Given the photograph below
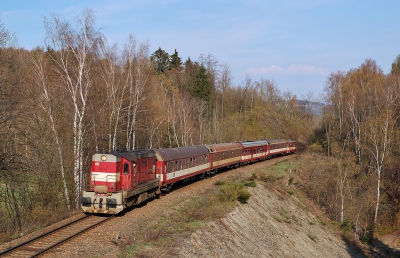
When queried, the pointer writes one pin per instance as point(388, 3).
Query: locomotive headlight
point(103, 157)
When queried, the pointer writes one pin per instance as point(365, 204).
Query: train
point(122, 179)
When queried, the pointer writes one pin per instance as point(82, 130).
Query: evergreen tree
point(176, 61)
point(396, 65)
point(162, 60)
point(202, 86)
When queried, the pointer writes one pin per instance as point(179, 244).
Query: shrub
point(243, 196)
point(345, 226)
point(230, 192)
point(234, 191)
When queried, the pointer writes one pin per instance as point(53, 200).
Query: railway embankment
point(276, 221)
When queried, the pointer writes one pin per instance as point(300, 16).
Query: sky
point(296, 44)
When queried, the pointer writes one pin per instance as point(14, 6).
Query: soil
point(270, 224)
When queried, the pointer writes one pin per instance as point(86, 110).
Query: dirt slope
point(268, 226)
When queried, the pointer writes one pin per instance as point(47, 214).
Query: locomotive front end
point(103, 193)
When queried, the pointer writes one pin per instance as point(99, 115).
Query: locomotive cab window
point(126, 168)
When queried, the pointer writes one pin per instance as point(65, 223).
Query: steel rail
point(41, 250)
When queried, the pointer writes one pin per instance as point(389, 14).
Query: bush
point(345, 226)
point(230, 192)
point(244, 196)
point(234, 191)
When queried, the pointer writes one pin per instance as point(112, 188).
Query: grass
point(250, 183)
point(282, 168)
point(282, 177)
point(284, 215)
point(220, 182)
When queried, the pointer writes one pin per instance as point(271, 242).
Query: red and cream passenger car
point(292, 147)
point(224, 155)
point(254, 151)
point(181, 163)
point(277, 147)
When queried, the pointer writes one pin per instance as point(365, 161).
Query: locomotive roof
point(134, 155)
point(254, 143)
point(181, 152)
point(224, 147)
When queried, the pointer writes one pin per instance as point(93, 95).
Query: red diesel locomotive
point(121, 179)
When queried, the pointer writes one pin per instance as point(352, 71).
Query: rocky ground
point(271, 224)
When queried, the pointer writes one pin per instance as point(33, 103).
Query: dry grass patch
point(189, 214)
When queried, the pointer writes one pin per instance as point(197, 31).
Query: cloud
point(294, 69)
point(273, 69)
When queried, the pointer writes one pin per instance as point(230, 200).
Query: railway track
point(43, 243)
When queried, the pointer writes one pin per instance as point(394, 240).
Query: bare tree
point(46, 104)
point(76, 49)
point(137, 74)
point(115, 88)
point(379, 132)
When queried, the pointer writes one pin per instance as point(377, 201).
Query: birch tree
point(115, 91)
point(46, 104)
point(137, 73)
point(380, 134)
point(76, 46)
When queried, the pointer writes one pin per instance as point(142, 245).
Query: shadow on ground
point(376, 250)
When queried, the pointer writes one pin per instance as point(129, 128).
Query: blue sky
point(297, 44)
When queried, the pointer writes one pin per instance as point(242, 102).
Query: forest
point(78, 95)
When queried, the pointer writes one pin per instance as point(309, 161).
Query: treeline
point(79, 95)
point(360, 131)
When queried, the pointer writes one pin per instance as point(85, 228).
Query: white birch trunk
point(73, 48)
point(46, 106)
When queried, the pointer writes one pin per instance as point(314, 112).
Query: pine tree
point(202, 86)
point(162, 60)
point(176, 61)
point(396, 65)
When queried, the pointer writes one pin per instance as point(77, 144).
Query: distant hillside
point(316, 107)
